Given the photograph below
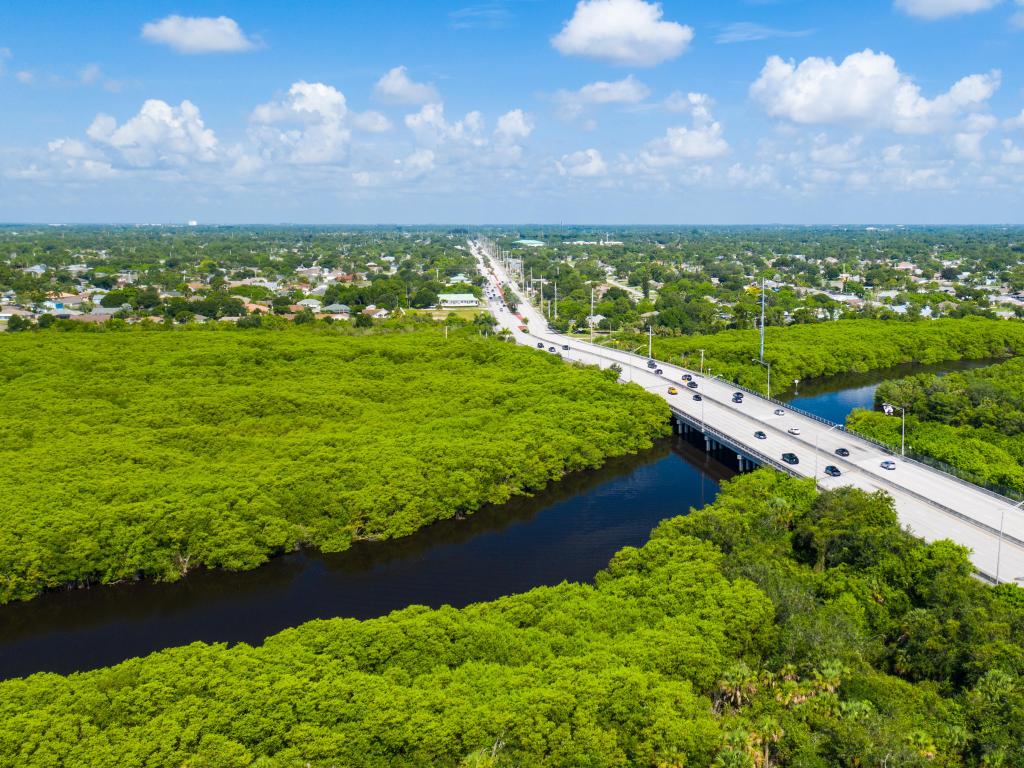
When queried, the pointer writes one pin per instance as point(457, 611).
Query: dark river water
point(566, 533)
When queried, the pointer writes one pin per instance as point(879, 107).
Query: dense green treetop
point(776, 627)
point(149, 453)
point(972, 420)
point(828, 349)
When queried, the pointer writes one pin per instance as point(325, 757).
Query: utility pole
point(762, 318)
point(591, 314)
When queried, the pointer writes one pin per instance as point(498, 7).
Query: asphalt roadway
point(931, 504)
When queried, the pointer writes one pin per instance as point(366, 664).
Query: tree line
point(776, 627)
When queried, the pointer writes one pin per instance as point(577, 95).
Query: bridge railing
point(996, 491)
point(733, 444)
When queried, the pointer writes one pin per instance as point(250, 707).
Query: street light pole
point(999, 546)
point(702, 361)
point(650, 343)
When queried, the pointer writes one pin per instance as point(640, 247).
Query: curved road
point(931, 504)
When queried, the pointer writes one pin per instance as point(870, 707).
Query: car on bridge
point(565, 346)
point(832, 471)
point(889, 464)
point(651, 364)
point(794, 430)
point(737, 399)
point(760, 435)
point(673, 391)
point(658, 371)
point(779, 412)
point(697, 398)
point(790, 458)
point(842, 451)
point(687, 377)
point(540, 345)
point(691, 384)
point(552, 349)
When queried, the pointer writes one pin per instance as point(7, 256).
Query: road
point(931, 504)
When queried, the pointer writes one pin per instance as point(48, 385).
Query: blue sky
point(602, 111)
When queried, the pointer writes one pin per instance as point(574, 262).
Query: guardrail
point(734, 444)
point(948, 471)
point(998, 492)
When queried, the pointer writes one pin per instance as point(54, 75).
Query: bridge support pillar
point(707, 443)
point(742, 462)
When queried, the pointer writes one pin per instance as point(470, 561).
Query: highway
point(931, 504)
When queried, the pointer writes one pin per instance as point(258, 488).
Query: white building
point(454, 300)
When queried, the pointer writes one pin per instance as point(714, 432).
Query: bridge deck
point(932, 504)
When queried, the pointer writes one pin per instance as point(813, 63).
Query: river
point(565, 533)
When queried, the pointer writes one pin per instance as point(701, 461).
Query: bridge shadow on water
point(566, 532)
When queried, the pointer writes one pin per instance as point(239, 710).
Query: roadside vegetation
point(972, 420)
point(776, 627)
point(830, 349)
point(149, 453)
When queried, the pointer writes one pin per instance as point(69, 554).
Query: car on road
point(651, 364)
point(737, 394)
point(842, 451)
point(691, 384)
point(540, 345)
point(673, 391)
point(565, 346)
point(737, 400)
point(779, 412)
point(687, 377)
point(552, 349)
point(790, 458)
point(832, 471)
point(888, 464)
point(658, 371)
point(760, 435)
point(794, 430)
point(697, 398)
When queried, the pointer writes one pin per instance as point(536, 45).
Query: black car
point(790, 458)
point(737, 395)
point(760, 435)
point(658, 371)
point(842, 452)
point(698, 398)
point(540, 345)
point(691, 384)
point(565, 346)
point(651, 364)
point(687, 377)
point(551, 349)
point(832, 471)
point(737, 399)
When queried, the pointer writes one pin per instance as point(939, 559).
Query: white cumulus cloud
point(514, 125)
point(396, 87)
point(430, 127)
point(159, 135)
point(314, 119)
point(701, 140)
point(571, 104)
point(865, 87)
point(939, 9)
point(198, 34)
point(587, 163)
point(630, 32)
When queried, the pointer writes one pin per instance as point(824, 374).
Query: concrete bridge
point(932, 504)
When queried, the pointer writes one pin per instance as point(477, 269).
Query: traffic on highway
point(932, 504)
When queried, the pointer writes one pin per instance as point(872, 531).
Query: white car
point(887, 464)
point(794, 430)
